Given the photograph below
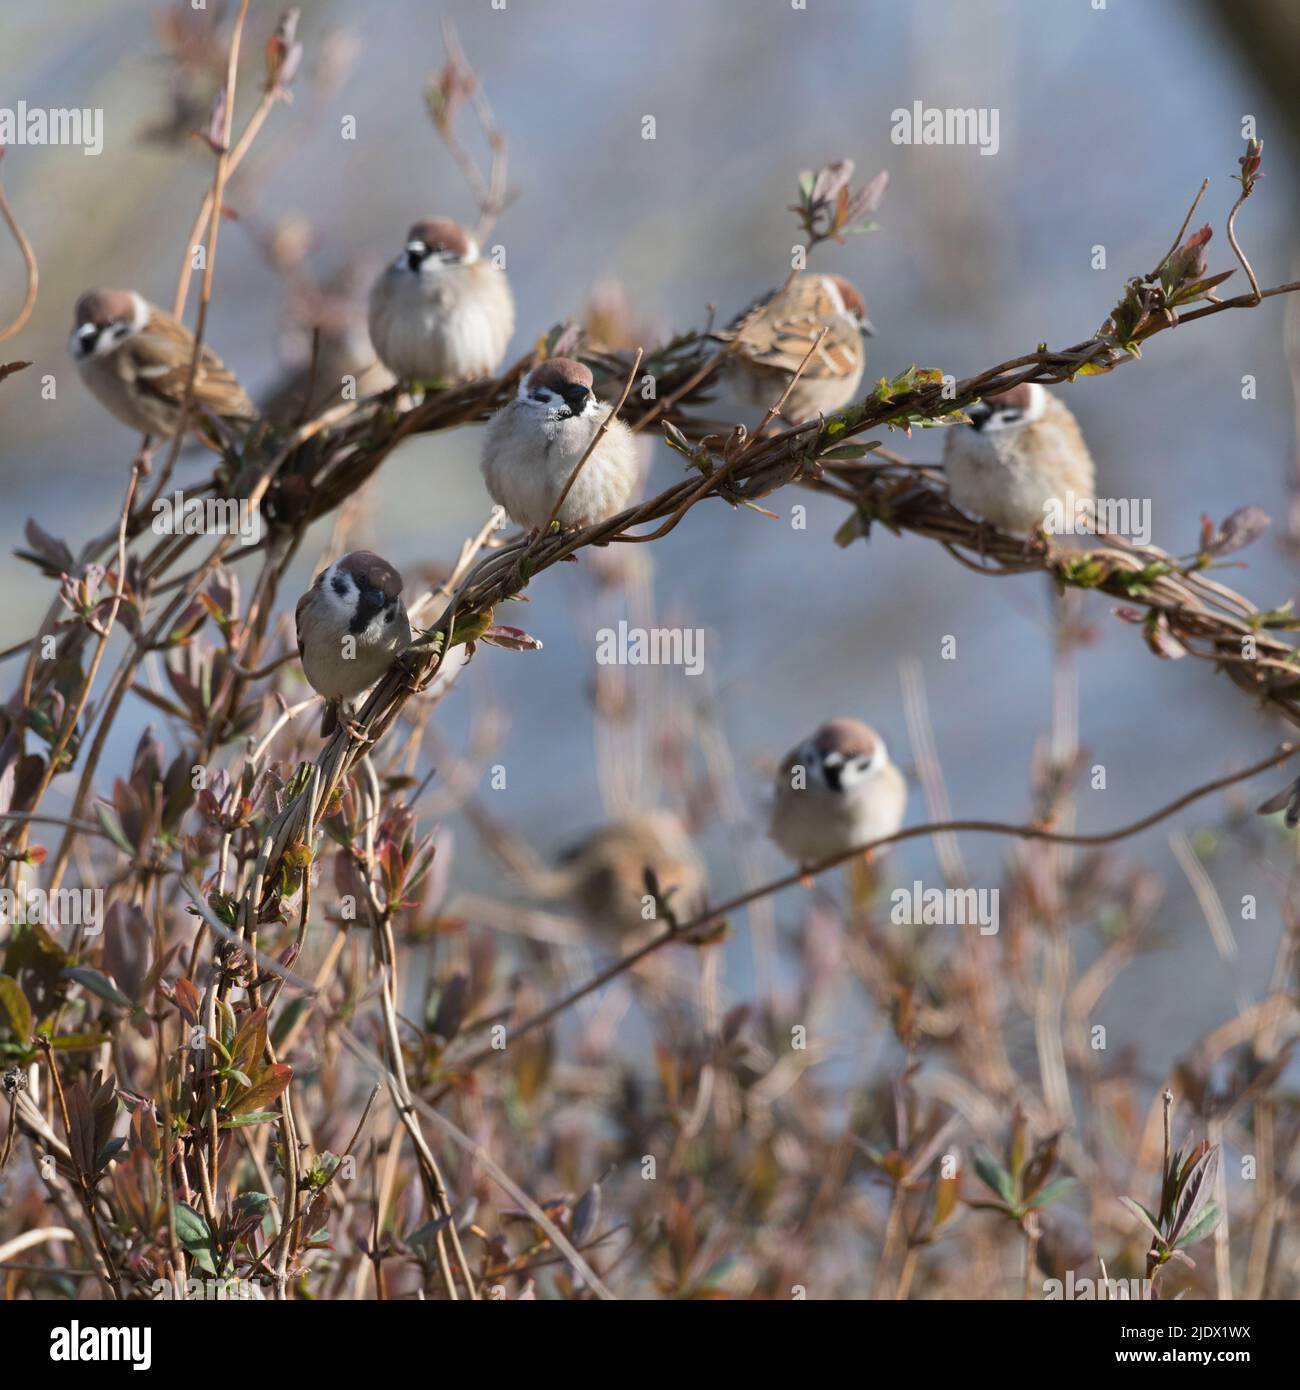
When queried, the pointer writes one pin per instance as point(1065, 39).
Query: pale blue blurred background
point(1109, 119)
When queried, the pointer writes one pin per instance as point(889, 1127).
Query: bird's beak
point(85, 338)
point(576, 398)
point(979, 414)
point(866, 328)
point(416, 251)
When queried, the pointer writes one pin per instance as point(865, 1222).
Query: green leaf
point(14, 1007)
point(257, 1117)
point(1046, 1195)
point(253, 1203)
point(97, 983)
point(1209, 1218)
point(1143, 1215)
point(109, 1152)
point(78, 1042)
point(226, 1020)
point(850, 530)
point(194, 1236)
point(112, 824)
point(993, 1175)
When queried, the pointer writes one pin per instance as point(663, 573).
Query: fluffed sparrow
point(835, 791)
point(534, 443)
point(136, 361)
point(440, 312)
point(1021, 451)
point(772, 337)
point(604, 876)
point(352, 625)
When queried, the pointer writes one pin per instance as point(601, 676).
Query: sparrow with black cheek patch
point(772, 337)
point(535, 442)
point(440, 312)
point(1022, 452)
point(136, 361)
point(352, 626)
point(835, 791)
point(604, 876)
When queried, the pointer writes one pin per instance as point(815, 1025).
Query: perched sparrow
point(136, 360)
point(352, 625)
point(835, 791)
point(439, 313)
point(534, 443)
point(1021, 451)
point(604, 877)
point(772, 337)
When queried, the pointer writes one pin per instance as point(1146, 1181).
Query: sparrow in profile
point(535, 442)
point(352, 626)
point(136, 361)
point(604, 876)
point(1022, 452)
point(835, 791)
point(439, 312)
point(772, 337)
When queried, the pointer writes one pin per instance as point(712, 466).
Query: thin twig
point(29, 261)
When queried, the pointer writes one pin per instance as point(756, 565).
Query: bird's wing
point(160, 356)
point(297, 617)
point(778, 332)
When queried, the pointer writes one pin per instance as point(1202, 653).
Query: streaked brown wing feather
point(778, 331)
point(161, 357)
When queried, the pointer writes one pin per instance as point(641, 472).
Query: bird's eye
point(538, 396)
point(1009, 417)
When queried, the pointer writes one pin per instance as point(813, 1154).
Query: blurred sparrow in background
point(323, 342)
point(772, 337)
point(835, 791)
point(533, 445)
point(604, 876)
point(439, 312)
point(1022, 451)
point(352, 625)
point(136, 361)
